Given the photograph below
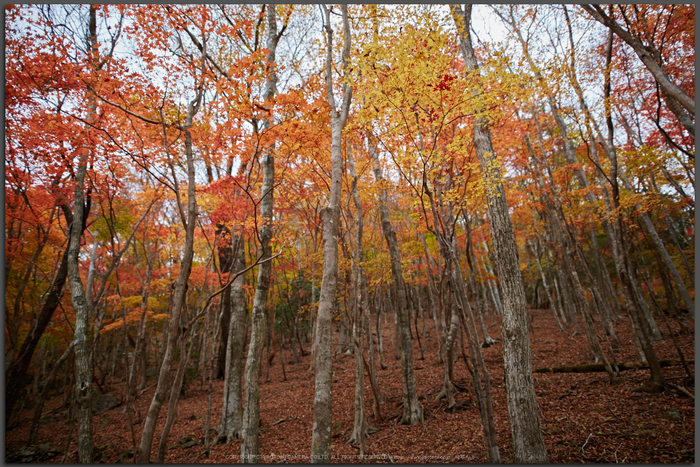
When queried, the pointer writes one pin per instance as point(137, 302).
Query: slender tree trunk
point(232, 408)
point(34, 429)
point(379, 299)
point(250, 450)
point(372, 370)
point(17, 370)
point(179, 290)
point(544, 282)
point(330, 216)
point(175, 392)
point(448, 388)
point(431, 296)
point(359, 301)
point(83, 373)
point(663, 252)
point(223, 336)
point(528, 441)
point(412, 410)
point(140, 349)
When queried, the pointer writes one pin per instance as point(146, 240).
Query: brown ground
point(584, 418)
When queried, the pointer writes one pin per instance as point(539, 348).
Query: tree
point(180, 287)
point(250, 451)
point(528, 442)
point(330, 217)
point(651, 57)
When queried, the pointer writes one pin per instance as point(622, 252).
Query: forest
point(349, 233)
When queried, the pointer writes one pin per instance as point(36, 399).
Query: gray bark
point(552, 304)
point(232, 407)
point(663, 252)
point(250, 450)
point(647, 54)
point(359, 303)
point(179, 289)
point(175, 392)
point(323, 398)
point(83, 375)
point(412, 410)
point(528, 441)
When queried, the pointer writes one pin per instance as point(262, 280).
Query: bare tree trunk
point(528, 441)
point(663, 252)
point(431, 296)
point(34, 429)
point(379, 299)
point(493, 288)
point(250, 450)
point(552, 304)
point(412, 410)
point(17, 369)
point(330, 216)
point(232, 409)
point(448, 387)
point(179, 288)
point(175, 391)
point(359, 305)
point(83, 373)
point(473, 283)
point(140, 349)
point(372, 367)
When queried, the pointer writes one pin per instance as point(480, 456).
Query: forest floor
point(584, 418)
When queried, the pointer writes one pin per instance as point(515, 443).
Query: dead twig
point(584, 444)
point(270, 395)
point(616, 454)
point(681, 389)
point(144, 390)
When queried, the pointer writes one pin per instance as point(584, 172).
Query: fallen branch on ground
point(599, 367)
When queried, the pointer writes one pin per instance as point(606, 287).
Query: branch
point(119, 255)
point(646, 54)
point(230, 281)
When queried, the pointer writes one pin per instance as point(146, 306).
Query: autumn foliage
point(631, 159)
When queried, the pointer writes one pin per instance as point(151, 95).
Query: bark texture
point(323, 398)
point(412, 410)
point(528, 441)
point(250, 450)
point(232, 409)
point(179, 292)
point(83, 374)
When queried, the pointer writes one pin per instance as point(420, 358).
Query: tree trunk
point(223, 336)
point(528, 441)
point(544, 283)
point(175, 391)
point(330, 216)
point(34, 429)
point(83, 373)
point(179, 290)
point(250, 450)
point(17, 371)
point(412, 410)
point(232, 408)
point(359, 302)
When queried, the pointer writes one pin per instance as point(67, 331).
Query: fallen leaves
point(584, 418)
